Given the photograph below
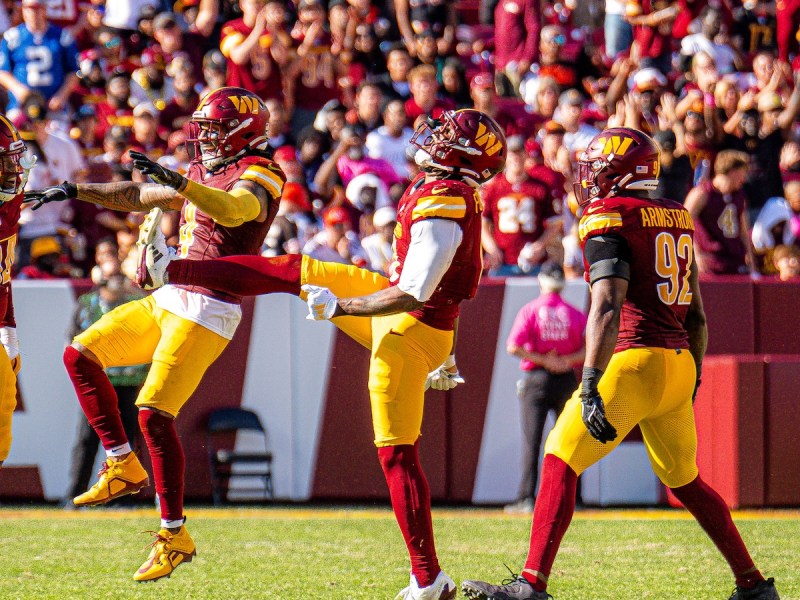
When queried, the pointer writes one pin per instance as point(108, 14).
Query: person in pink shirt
point(548, 336)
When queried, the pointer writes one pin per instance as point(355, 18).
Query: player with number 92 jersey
point(649, 232)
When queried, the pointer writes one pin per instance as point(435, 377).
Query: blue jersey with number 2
point(40, 61)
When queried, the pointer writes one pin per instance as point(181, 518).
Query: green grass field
point(298, 554)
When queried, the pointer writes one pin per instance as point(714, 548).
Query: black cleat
point(517, 588)
point(763, 590)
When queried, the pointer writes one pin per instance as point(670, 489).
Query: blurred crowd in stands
point(346, 81)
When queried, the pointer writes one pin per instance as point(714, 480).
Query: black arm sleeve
point(608, 255)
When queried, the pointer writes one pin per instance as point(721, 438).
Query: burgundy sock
point(411, 501)
point(552, 515)
point(166, 454)
point(240, 275)
point(710, 510)
point(97, 398)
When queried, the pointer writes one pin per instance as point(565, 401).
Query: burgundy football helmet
point(619, 158)
point(466, 143)
point(228, 122)
point(13, 166)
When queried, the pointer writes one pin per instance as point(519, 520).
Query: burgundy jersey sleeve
point(659, 235)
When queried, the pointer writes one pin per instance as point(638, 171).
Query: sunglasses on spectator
point(559, 39)
point(112, 43)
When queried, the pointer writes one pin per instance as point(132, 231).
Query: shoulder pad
point(265, 173)
point(599, 218)
point(442, 199)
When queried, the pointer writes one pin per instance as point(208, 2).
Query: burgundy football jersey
point(9, 226)
point(518, 213)
point(659, 235)
point(203, 239)
point(718, 236)
point(445, 199)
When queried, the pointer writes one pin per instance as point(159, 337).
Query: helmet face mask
point(228, 123)
point(465, 143)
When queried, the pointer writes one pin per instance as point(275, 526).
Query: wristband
point(590, 379)
point(449, 362)
point(70, 188)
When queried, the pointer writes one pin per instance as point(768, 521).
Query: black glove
point(593, 411)
point(57, 193)
point(156, 172)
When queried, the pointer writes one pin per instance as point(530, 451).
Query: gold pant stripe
point(8, 402)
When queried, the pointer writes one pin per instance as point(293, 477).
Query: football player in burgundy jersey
point(14, 169)
point(227, 201)
point(645, 341)
point(411, 315)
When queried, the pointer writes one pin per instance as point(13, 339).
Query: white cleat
point(154, 254)
point(443, 588)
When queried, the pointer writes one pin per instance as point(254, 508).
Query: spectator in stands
point(171, 42)
point(778, 223)
point(454, 83)
point(378, 246)
point(511, 117)
point(145, 136)
point(48, 261)
point(292, 227)
point(395, 82)
point(724, 55)
point(214, 71)
point(551, 62)
point(754, 28)
point(677, 174)
point(424, 94)
point(200, 16)
point(618, 32)
point(150, 82)
point(116, 109)
point(719, 211)
point(390, 140)
point(518, 216)
point(180, 107)
point(336, 242)
point(84, 132)
point(437, 16)
point(110, 291)
point(787, 262)
point(548, 336)
point(124, 14)
point(577, 134)
point(761, 134)
point(652, 31)
point(36, 56)
point(516, 26)
point(541, 95)
point(256, 55)
point(368, 105)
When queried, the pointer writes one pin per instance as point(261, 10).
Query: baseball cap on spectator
point(33, 3)
point(648, 79)
point(551, 276)
point(44, 245)
point(515, 143)
point(482, 81)
point(384, 216)
point(295, 193)
point(571, 97)
point(336, 215)
point(333, 3)
point(768, 101)
point(164, 20)
point(145, 108)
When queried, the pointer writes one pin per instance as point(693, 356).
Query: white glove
point(321, 302)
point(442, 378)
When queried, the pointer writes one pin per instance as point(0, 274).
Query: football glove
point(57, 193)
point(321, 302)
point(444, 378)
point(593, 411)
point(157, 173)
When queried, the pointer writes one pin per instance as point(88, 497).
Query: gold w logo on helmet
point(245, 104)
point(616, 144)
point(488, 141)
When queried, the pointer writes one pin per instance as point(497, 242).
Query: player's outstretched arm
point(123, 195)
point(323, 304)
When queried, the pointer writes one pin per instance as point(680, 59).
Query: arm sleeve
point(433, 245)
point(229, 209)
point(608, 255)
